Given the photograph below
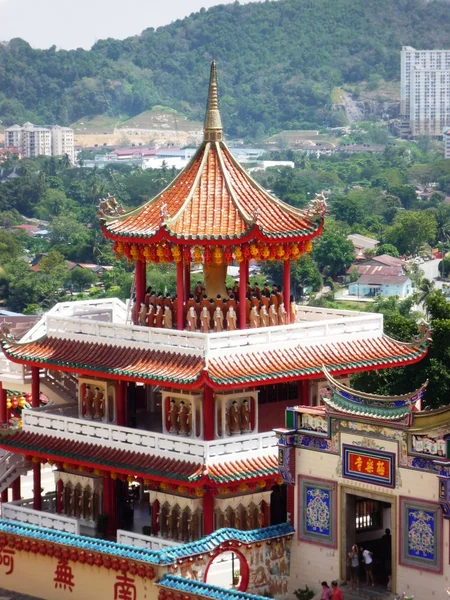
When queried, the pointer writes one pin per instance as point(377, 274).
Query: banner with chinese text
point(369, 466)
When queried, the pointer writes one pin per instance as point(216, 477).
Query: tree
point(406, 194)
point(411, 230)
point(333, 253)
point(387, 249)
point(437, 305)
point(80, 278)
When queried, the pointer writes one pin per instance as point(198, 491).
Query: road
point(430, 270)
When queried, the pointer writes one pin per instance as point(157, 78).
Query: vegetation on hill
point(279, 63)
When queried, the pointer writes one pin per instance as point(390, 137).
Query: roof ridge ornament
point(213, 131)
point(317, 208)
point(109, 207)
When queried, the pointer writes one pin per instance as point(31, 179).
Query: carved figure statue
point(151, 316)
point(183, 418)
point(204, 320)
point(159, 317)
point(226, 520)
point(293, 312)
point(264, 317)
point(254, 318)
point(235, 426)
point(248, 519)
point(173, 416)
point(143, 315)
point(237, 520)
point(260, 518)
point(282, 314)
point(227, 421)
point(218, 320)
point(245, 416)
point(191, 324)
point(88, 402)
point(98, 404)
point(273, 316)
point(231, 319)
point(167, 319)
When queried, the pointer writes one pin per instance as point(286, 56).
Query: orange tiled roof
point(139, 464)
point(213, 198)
point(227, 370)
point(304, 361)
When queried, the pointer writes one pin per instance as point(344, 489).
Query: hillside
point(278, 63)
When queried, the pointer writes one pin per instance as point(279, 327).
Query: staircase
point(59, 386)
point(367, 593)
point(11, 466)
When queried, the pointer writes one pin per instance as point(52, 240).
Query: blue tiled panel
point(188, 586)
point(156, 557)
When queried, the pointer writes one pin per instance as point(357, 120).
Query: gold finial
point(213, 123)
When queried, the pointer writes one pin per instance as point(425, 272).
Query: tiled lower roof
point(204, 590)
point(225, 370)
point(362, 354)
point(165, 556)
point(139, 464)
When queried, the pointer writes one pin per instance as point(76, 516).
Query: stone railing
point(45, 421)
point(11, 465)
point(307, 331)
point(11, 372)
point(129, 538)
point(15, 512)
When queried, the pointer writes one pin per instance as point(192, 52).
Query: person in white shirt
point(368, 562)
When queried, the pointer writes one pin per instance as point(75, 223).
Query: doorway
point(369, 521)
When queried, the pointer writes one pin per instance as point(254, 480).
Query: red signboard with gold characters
point(370, 466)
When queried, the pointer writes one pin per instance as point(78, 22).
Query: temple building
point(159, 413)
point(363, 464)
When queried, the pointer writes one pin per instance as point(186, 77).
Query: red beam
point(208, 512)
point(243, 270)
point(35, 387)
point(208, 413)
point(287, 289)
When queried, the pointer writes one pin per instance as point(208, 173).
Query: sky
point(79, 23)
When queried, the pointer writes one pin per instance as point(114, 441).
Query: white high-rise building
point(35, 141)
point(424, 91)
point(62, 142)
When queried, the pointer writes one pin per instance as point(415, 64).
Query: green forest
point(278, 64)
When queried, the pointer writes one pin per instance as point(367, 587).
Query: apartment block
point(424, 92)
point(35, 141)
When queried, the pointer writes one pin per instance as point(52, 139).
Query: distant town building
point(424, 92)
point(361, 243)
point(32, 141)
point(446, 137)
point(369, 286)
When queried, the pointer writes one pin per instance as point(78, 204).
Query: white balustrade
point(129, 538)
point(11, 372)
point(15, 512)
point(44, 421)
point(308, 331)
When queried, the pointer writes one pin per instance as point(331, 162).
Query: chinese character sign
point(7, 560)
point(63, 576)
point(124, 588)
point(371, 466)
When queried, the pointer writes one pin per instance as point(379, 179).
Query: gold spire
point(213, 123)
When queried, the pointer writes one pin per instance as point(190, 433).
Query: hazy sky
point(78, 23)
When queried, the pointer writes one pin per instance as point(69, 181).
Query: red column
point(37, 501)
point(15, 486)
point(208, 413)
point(304, 396)
point(243, 270)
point(208, 513)
point(120, 403)
point(140, 286)
point(59, 497)
point(4, 497)
point(3, 409)
point(106, 494)
point(112, 521)
point(180, 310)
point(287, 289)
point(187, 281)
point(35, 387)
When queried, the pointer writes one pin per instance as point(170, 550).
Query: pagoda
point(180, 412)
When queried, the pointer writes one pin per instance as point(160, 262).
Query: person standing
point(368, 562)
point(326, 592)
point(353, 556)
point(337, 592)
